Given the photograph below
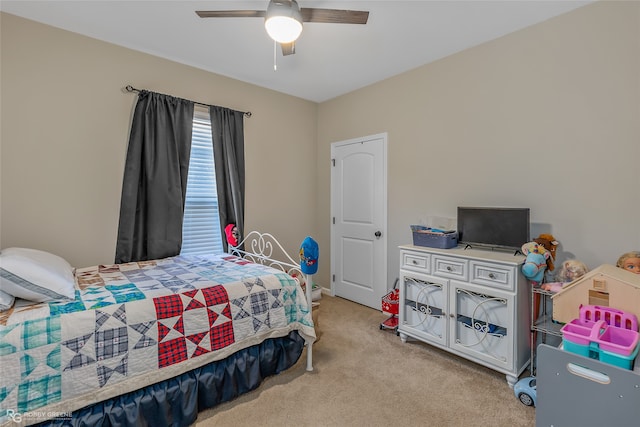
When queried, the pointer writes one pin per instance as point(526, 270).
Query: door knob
point(378, 234)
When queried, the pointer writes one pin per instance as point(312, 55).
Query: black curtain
point(227, 132)
point(155, 178)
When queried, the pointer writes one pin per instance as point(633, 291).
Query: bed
point(154, 342)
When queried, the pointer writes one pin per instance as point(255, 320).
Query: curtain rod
point(130, 88)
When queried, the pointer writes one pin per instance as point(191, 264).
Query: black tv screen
point(505, 228)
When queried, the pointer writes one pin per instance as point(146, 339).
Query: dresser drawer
point(493, 275)
point(416, 261)
point(453, 268)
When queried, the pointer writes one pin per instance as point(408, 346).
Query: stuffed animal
point(571, 270)
point(536, 262)
point(551, 244)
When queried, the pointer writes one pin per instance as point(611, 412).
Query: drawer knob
point(492, 276)
point(449, 268)
point(414, 262)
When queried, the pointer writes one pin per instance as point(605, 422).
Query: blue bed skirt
point(177, 401)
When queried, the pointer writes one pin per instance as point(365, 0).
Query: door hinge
point(334, 220)
point(333, 162)
point(334, 277)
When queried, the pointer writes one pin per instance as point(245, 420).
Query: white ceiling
point(330, 59)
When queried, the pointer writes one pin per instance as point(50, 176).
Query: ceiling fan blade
point(334, 16)
point(231, 13)
point(288, 48)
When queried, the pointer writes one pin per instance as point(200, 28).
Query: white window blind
point(201, 223)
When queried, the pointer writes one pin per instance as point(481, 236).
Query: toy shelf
point(541, 321)
point(546, 325)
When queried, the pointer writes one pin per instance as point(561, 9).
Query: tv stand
point(470, 302)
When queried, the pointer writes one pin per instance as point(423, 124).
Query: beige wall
point(546, 118)
point(65, 126)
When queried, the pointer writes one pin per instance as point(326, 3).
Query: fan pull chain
point(275, 55)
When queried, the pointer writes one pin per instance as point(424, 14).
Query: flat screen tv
point(500, 228)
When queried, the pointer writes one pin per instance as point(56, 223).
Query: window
point(201, 224)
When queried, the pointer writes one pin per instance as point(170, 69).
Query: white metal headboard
point(265, 249)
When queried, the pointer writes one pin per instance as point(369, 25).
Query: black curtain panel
point(227, 132)
point(155, 178)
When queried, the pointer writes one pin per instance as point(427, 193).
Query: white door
point(359, 219)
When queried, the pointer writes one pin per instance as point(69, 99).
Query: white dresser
point(474, 303)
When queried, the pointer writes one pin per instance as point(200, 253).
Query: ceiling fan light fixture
point(283, 21)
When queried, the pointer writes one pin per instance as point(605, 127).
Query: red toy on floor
point(390, 305)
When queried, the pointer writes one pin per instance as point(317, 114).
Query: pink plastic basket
point(578, 331)
point(618, 340)
point(612, 316)
point(600, 336)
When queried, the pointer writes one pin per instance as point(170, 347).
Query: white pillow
point(35, 275)
point(6, 301)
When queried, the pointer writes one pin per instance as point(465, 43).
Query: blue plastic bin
point(424, 236)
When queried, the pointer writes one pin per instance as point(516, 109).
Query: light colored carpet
point(364, 376)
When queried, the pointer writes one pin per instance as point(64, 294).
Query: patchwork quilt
point(135, 324)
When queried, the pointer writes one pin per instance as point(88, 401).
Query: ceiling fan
point(284, 18)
